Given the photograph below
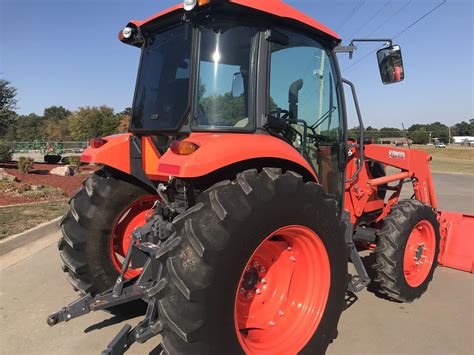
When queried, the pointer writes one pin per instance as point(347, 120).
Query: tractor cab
point(230, 67)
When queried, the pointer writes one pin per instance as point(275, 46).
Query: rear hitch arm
point(89, 303)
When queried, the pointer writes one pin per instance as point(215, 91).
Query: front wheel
point(261, 267)
point(407, 251)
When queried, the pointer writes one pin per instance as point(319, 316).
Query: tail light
point(97, 142)
point(183, 147)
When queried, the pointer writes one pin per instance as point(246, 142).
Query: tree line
point(59, 124)
point(420, 133)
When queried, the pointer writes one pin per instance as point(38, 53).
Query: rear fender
point(219, 150)
point(114, 153)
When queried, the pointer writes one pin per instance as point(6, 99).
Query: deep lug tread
point(390, 250)
point(192, 265)
point(84, 245)
point(72, 261)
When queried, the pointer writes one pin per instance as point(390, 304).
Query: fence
point(52, 147)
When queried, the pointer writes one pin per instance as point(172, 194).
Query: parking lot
point(33, 286)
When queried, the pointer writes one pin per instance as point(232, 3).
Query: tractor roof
point(272, 7)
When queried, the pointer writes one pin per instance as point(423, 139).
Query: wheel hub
point(132, 217)
point(282, 292)
point(250, 279)
point(419, 253)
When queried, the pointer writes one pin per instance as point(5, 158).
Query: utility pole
point(449, 135)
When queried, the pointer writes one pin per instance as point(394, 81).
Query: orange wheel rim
point(419, 253)
point(129, 219)
point(282, 292)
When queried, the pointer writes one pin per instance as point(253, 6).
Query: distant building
point(464, 140)
point(397, 141)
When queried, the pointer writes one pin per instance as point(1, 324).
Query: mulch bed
point(39, 176)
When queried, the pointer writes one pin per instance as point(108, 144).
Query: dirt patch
point(45, 187)
point(16, 219)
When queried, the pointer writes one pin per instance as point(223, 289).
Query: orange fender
point(218, 150)
point(115, 153)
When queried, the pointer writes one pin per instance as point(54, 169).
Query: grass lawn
point(450, 159)
point(16, 219)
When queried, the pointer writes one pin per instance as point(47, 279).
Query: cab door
point(303, 89)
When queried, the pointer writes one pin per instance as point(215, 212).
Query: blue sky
point(66, 52)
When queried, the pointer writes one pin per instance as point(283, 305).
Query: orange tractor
point(234, 205)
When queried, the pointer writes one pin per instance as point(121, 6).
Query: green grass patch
point(459, 160)
point(16, 219)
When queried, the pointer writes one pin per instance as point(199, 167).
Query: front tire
point(221, 237)
point(407, 251)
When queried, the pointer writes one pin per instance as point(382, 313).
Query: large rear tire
point(407, 251)
point(96, 230)
point(267, 231)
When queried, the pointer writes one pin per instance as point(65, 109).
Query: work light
point(189, 4)
point(127, 32)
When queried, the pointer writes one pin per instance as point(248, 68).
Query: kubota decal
point(396, 154)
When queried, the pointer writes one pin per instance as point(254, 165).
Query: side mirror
point(238, 85)
point(391, 64)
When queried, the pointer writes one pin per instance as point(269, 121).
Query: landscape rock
point(62, 171)
point(7, 177)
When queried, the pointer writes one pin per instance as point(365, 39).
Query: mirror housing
point(391, 64)
point(238, 85)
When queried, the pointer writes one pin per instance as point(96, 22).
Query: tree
point(7, 106)
point(55, 125)
point(28, 127)
point(56, 113)
point(224, 110)
point(463, 129)
point(56, 130)
point(372, 132)
point(89, 122)
point(420, 136)
point(390, 132)
point(439, 130)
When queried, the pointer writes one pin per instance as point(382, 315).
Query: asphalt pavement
point(441, 322)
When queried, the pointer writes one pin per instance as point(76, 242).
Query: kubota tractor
point(233, 206)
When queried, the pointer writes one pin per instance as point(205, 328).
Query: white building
point(464, 140)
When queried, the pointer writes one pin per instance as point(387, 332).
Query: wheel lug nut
point(242, 290)
point(263, 280)
point(281, 313)
point(272, 323)
point(248, 295)
point(292, 258)
point(262, 269)
point(258, 291)
point(289, 249)
point(255, 264)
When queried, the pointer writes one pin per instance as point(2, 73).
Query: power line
point(400, 33)
point(351, 14)
point(370, 19)
point(418, 20)
point(390, 18)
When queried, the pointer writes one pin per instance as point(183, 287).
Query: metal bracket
point(346, 49)
point(362, 279)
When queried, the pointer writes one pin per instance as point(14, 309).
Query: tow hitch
point(142, 254)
